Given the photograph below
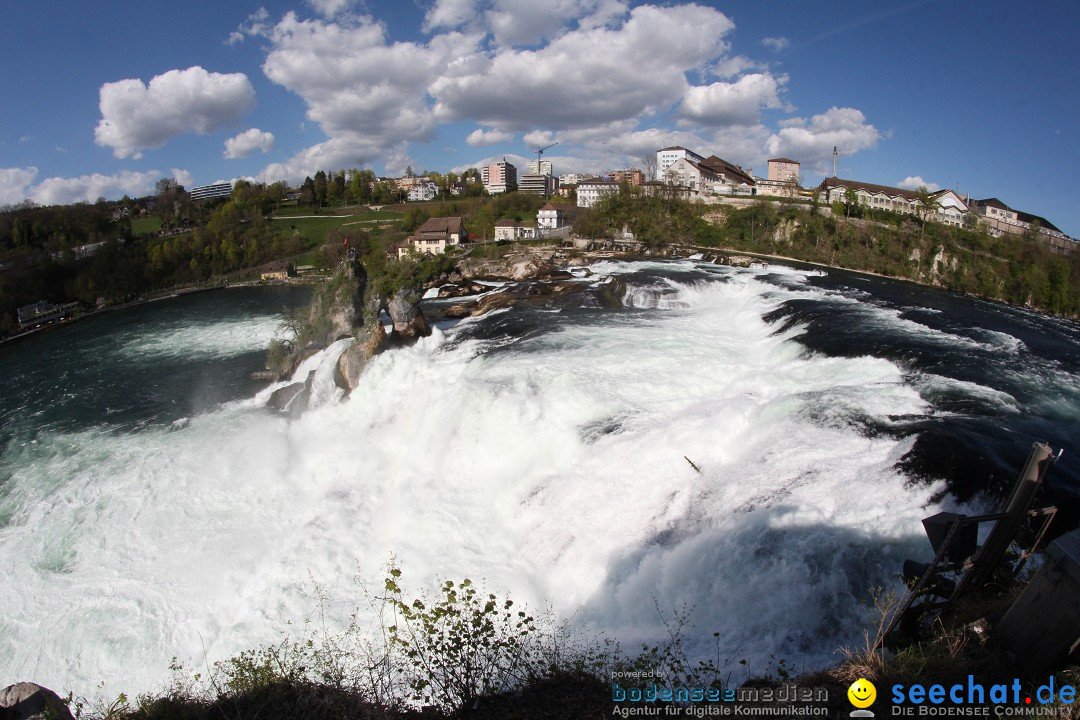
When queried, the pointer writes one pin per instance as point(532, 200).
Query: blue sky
point(977, 96)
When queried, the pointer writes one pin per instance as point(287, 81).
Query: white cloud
point(248, 142)
point(15, 184)
point(811, 142)
point(578, 80)
point(135, 116)
point(776, 44)
point(329, 8)
point(527, 22)
point(585, 77)
point(451, 14)
point(345, 151)
point(88, 188)
point(183, 177)
point(353, 81)
point(914, 182)
point(480, 138)
point(737, 103)
point(235, 37)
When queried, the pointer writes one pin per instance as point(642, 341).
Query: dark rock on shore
point(30, 701)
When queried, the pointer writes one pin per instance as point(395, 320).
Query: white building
point(513, 230)
point(950, 208)
point(541, 168)
point(551, 216)
point(666, 156)
point(423, 191)
point(590, 191)
point(207, 192)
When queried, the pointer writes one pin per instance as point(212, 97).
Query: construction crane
point(539, 152)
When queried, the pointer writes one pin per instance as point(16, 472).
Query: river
point(151, 508)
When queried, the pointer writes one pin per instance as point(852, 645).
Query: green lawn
point(145, 225)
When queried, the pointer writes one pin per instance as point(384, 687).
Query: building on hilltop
point(423, 191)
point(666, 156)
point(590, 191)
point(208, 192)
point(434, 237)
point(631, 176)
point(499, 177)
point(784, 170)
point(951, 208)
point(541, 168)
point(709, 176)
point(1000, 219)
point(543, 185)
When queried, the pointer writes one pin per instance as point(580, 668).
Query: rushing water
point(150, 507)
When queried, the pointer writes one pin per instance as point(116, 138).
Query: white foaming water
point(216, 339)
point(552, 466)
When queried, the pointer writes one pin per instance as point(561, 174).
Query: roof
point(442, 225)
point(550, 206)
point(785, 160)
point(1043, 222)
point(719, 165)
point(869, 187)
point(507, 223)
point(992, 202)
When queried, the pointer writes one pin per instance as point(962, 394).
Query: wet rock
point(371, 341)
point(30, 701)
point(404, 310)
point(282, 397)
point(611, 293)
point(495, 301)
point(292, 400)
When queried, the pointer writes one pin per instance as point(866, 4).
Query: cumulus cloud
point(914, 182)
point(776, 44)
point(571, 73)
point(480, 138)
point(354, 81)
point(345, 151)
point(737, 103)
point(527, 22)
point(330, 8)
point(247, 142)
point(183, 177)
point(811, 141)
point(135, 116)
point(450, 14)
point(88, 188)
point(586, 77)
point(15, 184)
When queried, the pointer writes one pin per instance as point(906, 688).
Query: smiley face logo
point(862, 693)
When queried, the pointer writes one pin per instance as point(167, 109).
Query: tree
point(926, 205)
point(851, 201)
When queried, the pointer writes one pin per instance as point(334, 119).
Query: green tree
point(926, 205)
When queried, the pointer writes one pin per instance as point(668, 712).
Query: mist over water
point(541, 449)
